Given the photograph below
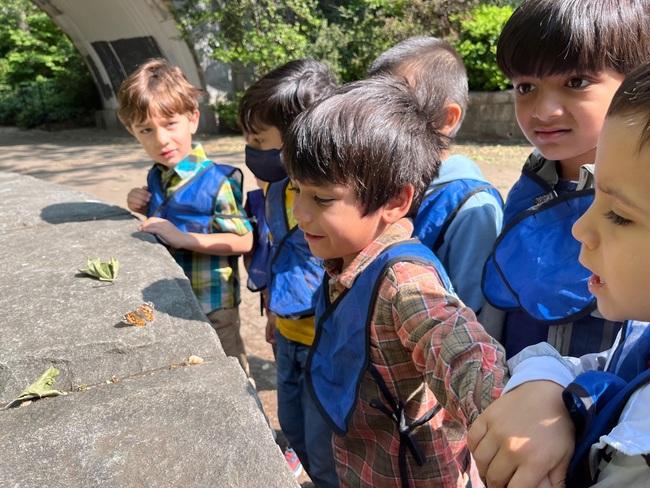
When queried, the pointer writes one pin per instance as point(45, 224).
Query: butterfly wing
point(133, 318)
point(146, 311)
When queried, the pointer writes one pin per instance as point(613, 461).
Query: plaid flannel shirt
point(429, 349)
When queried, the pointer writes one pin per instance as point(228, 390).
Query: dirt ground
point(109, 164)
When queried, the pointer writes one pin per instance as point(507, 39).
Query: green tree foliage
point(42, 77)
point(255, 36)
point(478, 33)
point(258, 34)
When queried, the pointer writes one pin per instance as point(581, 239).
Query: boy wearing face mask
point(282, 267)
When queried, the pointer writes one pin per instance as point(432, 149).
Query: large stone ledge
point(133, 417)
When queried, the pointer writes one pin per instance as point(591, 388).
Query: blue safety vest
point(533, 272)
point(596, 399)
point(294, 272)
point(260, 257)
point(191, 206)
point(440, 206)
point(340, 356)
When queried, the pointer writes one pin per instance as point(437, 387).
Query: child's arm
point(467, 245)
point(138, 200)
point(218, 244)
point(462, 364)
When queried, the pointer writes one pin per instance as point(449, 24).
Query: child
point(610, 407)
point(461, 213)
point(192, 204)
point(399, 366)
point(288, 270)
point(562, 93)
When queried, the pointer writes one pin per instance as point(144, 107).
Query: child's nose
point(300, 211)
point(584, 232)
point(548, 106)
point(162, 137)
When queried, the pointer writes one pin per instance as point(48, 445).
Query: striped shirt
point(429, 349)
point(214, 279)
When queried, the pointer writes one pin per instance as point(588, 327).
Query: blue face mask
point(266, 165)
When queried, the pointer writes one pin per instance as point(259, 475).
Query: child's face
point(332, 219)
point(615, 230)
point(167, 140)
point(562, 115)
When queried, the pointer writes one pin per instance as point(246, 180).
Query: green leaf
point(102, 270)
point(42, 387)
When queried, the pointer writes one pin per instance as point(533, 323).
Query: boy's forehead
point(154, 116)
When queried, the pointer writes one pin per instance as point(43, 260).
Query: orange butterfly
point(140, 316)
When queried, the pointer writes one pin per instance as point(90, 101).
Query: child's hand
point(165, 230)
point(525, 438)
point(270, 328)
point(138, 200)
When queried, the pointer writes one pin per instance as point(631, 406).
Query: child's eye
point(145, 131)
point(323, 201)
point(577, 82)
point(524, 88)
point(617, 219)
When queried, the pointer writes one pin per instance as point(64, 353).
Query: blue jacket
point(459, 219)
point(533, 272)
point(294, 274)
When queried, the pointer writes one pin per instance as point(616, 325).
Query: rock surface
point(133, 417)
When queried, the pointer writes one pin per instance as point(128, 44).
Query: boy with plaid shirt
point(193, 205)
point(399, 366)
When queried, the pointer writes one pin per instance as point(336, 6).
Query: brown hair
point(156, 87)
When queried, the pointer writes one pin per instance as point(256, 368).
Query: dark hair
point(547, 37)
point(156, 87)
point(279, 96)
point(435, 70)
point(633, 98)
point(370, 135)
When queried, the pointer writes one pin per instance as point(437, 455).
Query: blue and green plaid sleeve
point(229, 213)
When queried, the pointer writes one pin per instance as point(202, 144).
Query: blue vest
point(191, 206)
point(595, 399)
point(294, 272)
point(440, 206)
point(533, 272)
point(340, 353)
point(258, 266)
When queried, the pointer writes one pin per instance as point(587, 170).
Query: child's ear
point(194, 120)
point(399, 206)
point(453, 114)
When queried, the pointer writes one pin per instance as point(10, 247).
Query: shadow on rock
point(63, 213)
point(174, 297)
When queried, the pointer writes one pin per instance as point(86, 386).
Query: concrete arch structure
point(115, 36)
